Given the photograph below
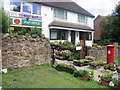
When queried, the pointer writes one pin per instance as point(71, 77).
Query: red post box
point(110, 53)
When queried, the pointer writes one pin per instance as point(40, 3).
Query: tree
point(5, 21)
point(110, 26)
point(116, 24)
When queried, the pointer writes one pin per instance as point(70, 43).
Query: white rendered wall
point(72, 17)
point(90, 22)
point(47, 18)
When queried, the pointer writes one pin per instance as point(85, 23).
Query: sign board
point(78, 47)
point(21, 15)
point(30, 16)
point(19, 21)
point(31, 23)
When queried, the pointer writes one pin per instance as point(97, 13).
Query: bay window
point(58, 35)
point(85, 35)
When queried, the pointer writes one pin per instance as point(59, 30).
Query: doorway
point(73, 37)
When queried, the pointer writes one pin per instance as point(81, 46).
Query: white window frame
point(80, 19)
point(64, 17)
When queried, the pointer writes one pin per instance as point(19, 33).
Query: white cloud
point(98, 7)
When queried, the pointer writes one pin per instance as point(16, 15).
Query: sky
point(98, 7)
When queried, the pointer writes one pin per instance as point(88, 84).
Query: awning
point(62, 24)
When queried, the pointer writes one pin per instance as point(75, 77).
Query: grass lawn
point(117, 59)
point(43, 76)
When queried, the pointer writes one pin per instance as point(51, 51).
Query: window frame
point(80, 19)
point(39, 8)
point(82, 35)
point(59, 32)
point(58, 10)
point(11, 3)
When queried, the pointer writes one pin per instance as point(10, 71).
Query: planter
point(105, 82)
point(86, 78)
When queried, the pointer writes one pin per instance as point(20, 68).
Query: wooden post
point(83, 50)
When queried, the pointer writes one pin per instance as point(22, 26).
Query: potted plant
point(116, 83)
point(87, 75)
point(111, 67)
point(106, 78)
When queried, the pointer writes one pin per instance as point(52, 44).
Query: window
point(82, 19)
point(27, 7)
point(60, 14)
point(85, 35)
point(53, 34)
point(58, 34)
point(15, 5)
point(36, 9)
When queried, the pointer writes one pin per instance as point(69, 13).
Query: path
point(97, 72)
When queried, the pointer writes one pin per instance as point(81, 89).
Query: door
point(73, 37)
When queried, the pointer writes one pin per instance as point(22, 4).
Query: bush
point(107, 76)
point(111, 67)
point(89, 58)
point(35, 32)
point(81, 62)
point(81, 73)
point(71, 58)
point(5, 21)
point(66, 68)
point(23, 31)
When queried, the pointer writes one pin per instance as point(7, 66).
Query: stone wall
point(101, 53)
point(19, 51)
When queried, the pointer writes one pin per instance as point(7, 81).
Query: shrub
point(89, 58)
point(5, 21)
point(81, 73)
point(78, 73)
point(23, 31)
point(107, 76)
point(35, 32)
point(66, 68)
point(111, 67)
point(71, 58)
point(81, 62)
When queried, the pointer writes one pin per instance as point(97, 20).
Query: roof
point(69, 25)
point(70, 6)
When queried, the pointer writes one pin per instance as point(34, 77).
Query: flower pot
point(105, 82)
point(86, 78)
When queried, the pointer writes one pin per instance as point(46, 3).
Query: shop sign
point(31, 23)
point(30, 16)
point(16, 21)
point(13, 14)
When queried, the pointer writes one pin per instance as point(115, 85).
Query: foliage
point(64, 45)
point(35, 32)
point(89, 58)
point(111, 67)
point(71, 58)
point(81, 62)
point(80, 73)
point(107, 76)
point(110, 26)
point(66, 68)
point(115, 81)
point(5, 21)
point(23, 31)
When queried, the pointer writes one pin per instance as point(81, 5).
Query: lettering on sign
point(30, 16)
